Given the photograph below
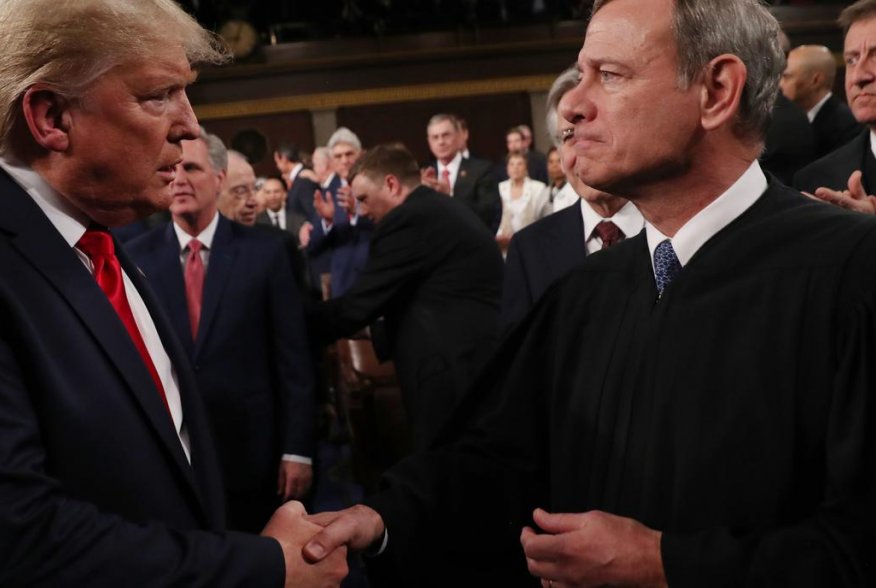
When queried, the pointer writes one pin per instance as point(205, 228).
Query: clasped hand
point(592, 549)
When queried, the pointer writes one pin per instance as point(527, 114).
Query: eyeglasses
point(241, 192)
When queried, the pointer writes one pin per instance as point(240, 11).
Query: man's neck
point(810, 102)
point(669, 203)
point(194, 223)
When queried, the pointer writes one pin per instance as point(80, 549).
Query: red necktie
point(97, 244)
point(194, 276)
point(445, 175)
point(609, 233)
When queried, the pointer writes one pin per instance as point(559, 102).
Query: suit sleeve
point(516, 292)
point(487, 202)
point(397, 255)
point(292, 363)
point(49, 537)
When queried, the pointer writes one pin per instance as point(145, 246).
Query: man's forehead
point(862, 31)
point(343, 149)
point(627, 28)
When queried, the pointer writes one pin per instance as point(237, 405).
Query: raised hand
point(855, 198)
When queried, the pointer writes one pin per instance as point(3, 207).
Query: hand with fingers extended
point(346, 200)
point(429, 178)
point(324, 205)
point(592, 549)
point(293, 479)
point(357, 527)
point(304, 234)
point(855, 198)
point(292, 530)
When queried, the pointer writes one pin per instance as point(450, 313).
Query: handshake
point(315, 546)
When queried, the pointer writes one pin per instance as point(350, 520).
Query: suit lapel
point(171, 288)
point(222, 255)
point(568, 238)
point(463, 184)
point(44, 248)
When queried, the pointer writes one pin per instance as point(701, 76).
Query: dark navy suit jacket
point(537, 255)
point(250, 356)
point(343, 250)
point(95, 489)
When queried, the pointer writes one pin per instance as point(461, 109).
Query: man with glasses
point(237, 201)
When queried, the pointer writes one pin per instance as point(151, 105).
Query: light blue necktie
point(666, 265)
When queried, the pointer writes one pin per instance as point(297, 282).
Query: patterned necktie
point(609, 233)
point(666, 265)
point(98, 245)
point(194, 278)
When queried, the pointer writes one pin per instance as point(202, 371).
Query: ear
point(392, 183)
point(48, 117)
point(723, 82)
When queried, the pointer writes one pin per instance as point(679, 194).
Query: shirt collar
point(452, 166)
point(328, 180)
point(873, 142)
point(66, 218)
point(205, 236)
point(628, 219)
point(710, 220)
point(295, 171)
point(813, 112)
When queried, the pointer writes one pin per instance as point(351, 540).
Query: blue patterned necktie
point(666, 265)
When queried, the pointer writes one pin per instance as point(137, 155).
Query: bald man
point(808, 80)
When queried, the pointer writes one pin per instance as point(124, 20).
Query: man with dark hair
point(108, 475)
point(693, 406)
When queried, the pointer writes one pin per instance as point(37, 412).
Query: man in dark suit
point(434, 273)
point(230, 294)
point(847, 176)
point(468, 180)
point(339, 235)
point(552, 246)
point(629, 433)
point(108, 475)
point(808, 81)
point(790, 143)
point(276, 213)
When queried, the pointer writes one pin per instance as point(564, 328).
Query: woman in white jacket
point(523, 200)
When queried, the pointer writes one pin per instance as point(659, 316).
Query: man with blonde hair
point(108, 475)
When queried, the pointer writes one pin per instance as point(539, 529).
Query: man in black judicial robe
point(697, 400)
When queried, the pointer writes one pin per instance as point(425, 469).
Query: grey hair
point(216, 151)
point(441, 117)
point(705, 29)
point(561, 86)
point(67, 45)
point(344, 135)
point(860, 10)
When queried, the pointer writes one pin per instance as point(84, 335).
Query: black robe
point(734, 414)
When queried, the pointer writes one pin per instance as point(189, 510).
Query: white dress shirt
point(813, 112)
point(628, 219)
point(566, 197)
point(71, 224)
point(453, 169)
point(709, 221)
point(206, 238)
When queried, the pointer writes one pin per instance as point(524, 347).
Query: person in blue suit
point(242, 325)
point(108, 474)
